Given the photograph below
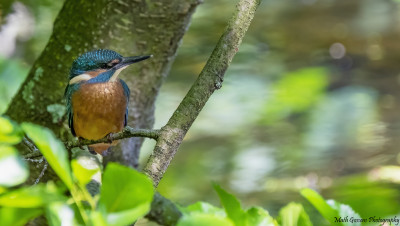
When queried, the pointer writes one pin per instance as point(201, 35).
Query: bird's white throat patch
point(79, 78)
point(116, 73)
point(85, 77)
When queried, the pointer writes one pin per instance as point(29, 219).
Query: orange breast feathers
point(99, 109)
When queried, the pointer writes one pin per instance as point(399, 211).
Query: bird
point(96, 98)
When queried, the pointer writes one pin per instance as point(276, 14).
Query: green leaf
point(208, 214)
point(17, 216)
point(331, 210)
point(31, 197)
point(14, 165)
point(2, 190)
point(320, 204)
point(82, 174)
point(97, 218)
point(60, 214)
point(10, 133)
point(203, 207)
point(202, 219)
point(257, 216)
point(52, 149)
point(127, 217)
point(293, 214)
point(125, 193)
point(345, 211)
point(231, 206)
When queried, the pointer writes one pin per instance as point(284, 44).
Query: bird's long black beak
point(130, 60)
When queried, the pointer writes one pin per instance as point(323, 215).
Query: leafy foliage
point(294, 214)
point(205, 214)
point(52, 149)
point(82, 174)
point(9, 159)
point(202, 219)
point(231, 206)
point(330, 210)
point(10, 216)
point(126, 194)
point(121, 197)
point(10, 133)
point(32, 197)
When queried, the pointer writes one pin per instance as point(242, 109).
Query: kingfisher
point(97, 100)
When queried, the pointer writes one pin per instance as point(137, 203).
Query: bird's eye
point(112, 63)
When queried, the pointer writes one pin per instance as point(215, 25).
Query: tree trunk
point(130, 27)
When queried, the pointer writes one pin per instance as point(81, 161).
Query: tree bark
point(130, 27)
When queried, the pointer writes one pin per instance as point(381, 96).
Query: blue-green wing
point(127, 92)
point(69, 90)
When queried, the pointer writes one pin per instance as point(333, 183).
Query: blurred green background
point(312, 99)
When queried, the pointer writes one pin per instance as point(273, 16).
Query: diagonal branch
point(126, 133)
point(209, 80)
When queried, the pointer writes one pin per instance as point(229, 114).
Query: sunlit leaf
point(331, 210)
point(17, 216)
point(31, 197)
point(128, 216)
point(125, 194)
point(60, 214)
point(202, 219)
point(14, 168)
point(231, 206)
point(203, 207)
point(257, 216)
point(52, 149)
point(345, 211)
point(293, 214)
point(97, 218)
point(320, 204)
point(10, 133)
point(82, 174)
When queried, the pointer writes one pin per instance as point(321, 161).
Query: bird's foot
point(91, 151)
point(80, 139)
point(109, 137)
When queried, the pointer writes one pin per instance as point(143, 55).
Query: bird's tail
point(101, 147)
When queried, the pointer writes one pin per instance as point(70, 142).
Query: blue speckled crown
point(92, 60)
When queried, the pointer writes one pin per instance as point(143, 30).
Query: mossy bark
point(128, 27)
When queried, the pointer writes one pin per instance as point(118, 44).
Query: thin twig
point(28, 143)
point(40, 160)
point(35, 154)
point(45, 165)
point(126, 133)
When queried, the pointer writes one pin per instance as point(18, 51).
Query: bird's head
point(107, 63)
